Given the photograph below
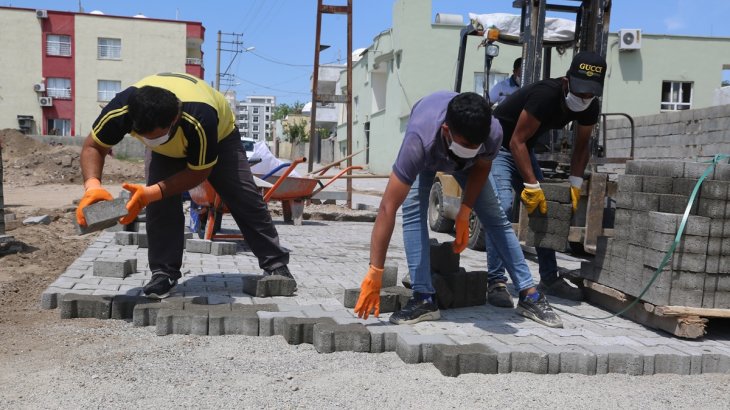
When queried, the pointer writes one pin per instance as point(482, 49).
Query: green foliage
point(282, 110)
point(297, 131)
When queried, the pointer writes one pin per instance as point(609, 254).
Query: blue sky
point(282, 31)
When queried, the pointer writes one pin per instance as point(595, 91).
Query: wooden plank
point(334, 9)
point(690, 327)
point(691, 311)
point(594, 211)
point(332, 98)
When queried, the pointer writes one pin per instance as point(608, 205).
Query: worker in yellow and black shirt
point(189, 130)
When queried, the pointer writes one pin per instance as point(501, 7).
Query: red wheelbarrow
point(291, 191)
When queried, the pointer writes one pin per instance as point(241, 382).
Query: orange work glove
point(576, 183)
point(369, 299)
point(94, 193)
point(141, 196)
point(533, 197)
point(462, 229)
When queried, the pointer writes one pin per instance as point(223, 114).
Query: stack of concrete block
point(551, 229)
point(651, 200)
point(392, 297)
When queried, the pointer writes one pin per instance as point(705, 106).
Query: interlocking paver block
point(443, 258)
point(102, 215)
point(301, 330)
point(272, 323)
point(114, 268)
point(665, 359)
point(569, 359)
point(617, 359)
point(90, 306)
point(329, 338)
point(123, 306)
point(125, 238)
point(197, 246)
point(419, 348)
point(267, 286)
point(530, 359)
point(142, 240)
point(37, 220)
point(223, 248)
point(145, 314)
point(453, 360)
point(182, 322)
point(390, 276)
point(384, 337)
point(239, 320)
point(556, 192)
point(392, 298)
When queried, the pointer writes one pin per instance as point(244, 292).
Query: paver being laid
point(329, 257)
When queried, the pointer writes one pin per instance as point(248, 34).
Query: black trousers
point(232, 179)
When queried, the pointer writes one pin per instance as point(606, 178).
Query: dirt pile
point(27, 162)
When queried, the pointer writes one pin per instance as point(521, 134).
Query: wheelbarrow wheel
point(204, 221)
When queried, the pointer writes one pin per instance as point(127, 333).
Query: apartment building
point(254, 116)
point(60, 68)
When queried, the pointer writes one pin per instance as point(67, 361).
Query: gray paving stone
point(504, 357)
point(182, 322)
point(392, 299)
point(145, 314)
point(271, 323)
point(454, 360)
point(419, 348)
point(142, 240)
point(125, 238)
point(37, 220)
point(443, 258)
point(197, 246)
point(617, 359)
point(390, 276)
point(74, 305)
point(114, 268)
point(222, 248)
point(123, 306)
point(331, 337)
point(102, 215)
point(384, 338)
point(569, 359)
point(665, 360)
point(301, 330)
point(529, 358)
point(267, 286)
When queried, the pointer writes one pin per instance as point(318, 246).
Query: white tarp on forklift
point(268, 161)
point(556, 29)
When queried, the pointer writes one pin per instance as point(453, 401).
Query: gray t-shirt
point(424, 148)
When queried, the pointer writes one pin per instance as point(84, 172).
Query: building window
point(676, 95)
point(256, 128)
point(59, 126)
point(107, 89)
point(267, 125)
point(109, 48)
point(58, 45)
point(268, 109)
point(241, 117)
point(59, 88)
point(255, 110)
point(267, 117)
point(256, 119)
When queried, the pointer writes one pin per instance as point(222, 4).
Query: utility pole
point(235, 39)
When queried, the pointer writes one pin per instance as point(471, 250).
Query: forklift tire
point(476, 234)
point(436, 219)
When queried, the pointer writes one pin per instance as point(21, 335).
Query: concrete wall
point(20, 65)
point(691, 135)
point(147, 48)
point(127, 148)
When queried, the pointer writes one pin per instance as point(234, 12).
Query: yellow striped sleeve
point(109, 116)
point(200, 167)
point(201, 136)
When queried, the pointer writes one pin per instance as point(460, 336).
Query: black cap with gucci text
point(587, 73)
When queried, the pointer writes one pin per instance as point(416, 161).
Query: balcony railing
point(194, 61)
point(62, 93)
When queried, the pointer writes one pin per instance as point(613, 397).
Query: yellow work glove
point(369, 299)
point(141, 196)
point(533, 197)
point(94, 193)
point(462, 229)
point(575, 185)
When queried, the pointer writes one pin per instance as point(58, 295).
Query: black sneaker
point(282, 270)
point(159, 286)
point(416, 310)
point(560, 288)
point(538, 310)
point(497, 295)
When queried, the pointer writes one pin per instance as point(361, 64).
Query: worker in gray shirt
point(455, 133)
point(508, 86)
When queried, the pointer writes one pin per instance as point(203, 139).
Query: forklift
point(594, 216)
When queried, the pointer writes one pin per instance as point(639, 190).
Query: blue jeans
point(505, 178)
point(496, 226)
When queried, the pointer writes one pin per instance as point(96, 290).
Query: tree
point(297, 131)
point(282, 110)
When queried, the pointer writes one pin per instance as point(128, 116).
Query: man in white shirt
point(509, 85)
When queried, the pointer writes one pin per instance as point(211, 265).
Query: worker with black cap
point(524, 115)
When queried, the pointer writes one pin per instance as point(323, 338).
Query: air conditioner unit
point(41, 14)
point(39, 88)
point(45, 101)
point(629, 39)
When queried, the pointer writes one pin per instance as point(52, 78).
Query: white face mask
point(152, 143)
point(577, 104)
point(462, 151)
